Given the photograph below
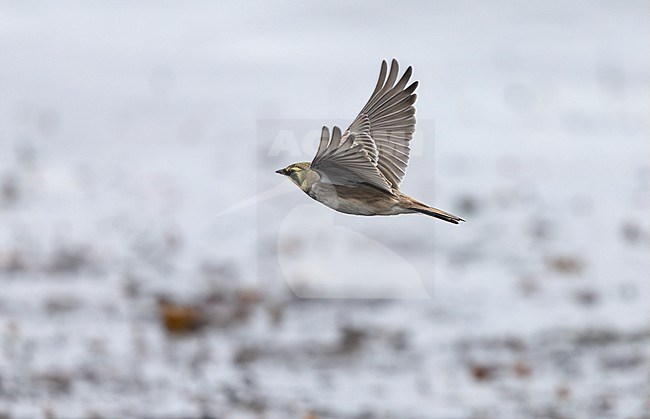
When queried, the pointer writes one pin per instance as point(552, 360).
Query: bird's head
point(297, 172)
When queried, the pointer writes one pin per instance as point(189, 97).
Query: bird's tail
point(434, 212)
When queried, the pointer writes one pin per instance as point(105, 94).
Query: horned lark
point(359, 171)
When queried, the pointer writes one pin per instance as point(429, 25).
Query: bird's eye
point(294, 169)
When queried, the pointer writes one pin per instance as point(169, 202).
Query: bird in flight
point(359, 171)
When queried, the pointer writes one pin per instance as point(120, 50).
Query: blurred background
point(152, 264)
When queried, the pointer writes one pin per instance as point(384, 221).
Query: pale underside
point(361, 199)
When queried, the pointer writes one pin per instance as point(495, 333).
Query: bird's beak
point(280, 171)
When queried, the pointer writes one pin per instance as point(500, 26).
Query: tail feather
point(434, 212)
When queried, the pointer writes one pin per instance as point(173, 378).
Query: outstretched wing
point(386, 124)
point(346, 162)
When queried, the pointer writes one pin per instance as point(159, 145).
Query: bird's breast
point(359, 200)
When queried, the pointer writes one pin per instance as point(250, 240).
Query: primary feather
point(387, 123)
point(375, 148)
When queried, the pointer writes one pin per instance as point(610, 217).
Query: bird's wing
point(346, 162)
point(386, 123)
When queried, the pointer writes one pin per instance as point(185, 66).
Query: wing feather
point(346, 161)
point(386, 124)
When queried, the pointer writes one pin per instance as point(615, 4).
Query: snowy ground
point(151, 262)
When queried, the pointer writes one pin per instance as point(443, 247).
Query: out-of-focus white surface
point(126, 131)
